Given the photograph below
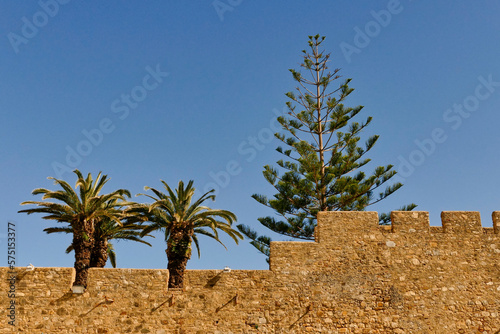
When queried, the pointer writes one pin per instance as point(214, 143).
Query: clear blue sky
point(428, 73)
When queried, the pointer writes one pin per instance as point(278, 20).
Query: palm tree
point(103, 249)
point(181, 221)
point(83, 213)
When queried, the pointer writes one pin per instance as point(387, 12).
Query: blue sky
point(188, 90)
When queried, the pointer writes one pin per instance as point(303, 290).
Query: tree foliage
point(324, 165)
point(182, 219)
point(84, 211)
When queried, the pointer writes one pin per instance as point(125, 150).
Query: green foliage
point(176, 211)
point(181, 220)
point(324, 165)
point(83, 212)
point(84, 208)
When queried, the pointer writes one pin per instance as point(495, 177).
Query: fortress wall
point(357, 277)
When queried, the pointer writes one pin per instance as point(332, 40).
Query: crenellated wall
point(358, 277)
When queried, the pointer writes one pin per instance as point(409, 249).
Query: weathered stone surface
point(356, 278)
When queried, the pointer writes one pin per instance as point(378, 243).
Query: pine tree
point(323, 162)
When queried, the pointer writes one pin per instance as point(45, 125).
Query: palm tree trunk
point(176, 267)
point(178, 253)
point(83, 241)
point(99, 255)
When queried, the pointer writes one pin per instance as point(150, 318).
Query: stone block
point(461, 222)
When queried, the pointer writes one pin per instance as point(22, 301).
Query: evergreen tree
point(323, 162)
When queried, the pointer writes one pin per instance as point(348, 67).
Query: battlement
point(331, 225)
point(357, 277)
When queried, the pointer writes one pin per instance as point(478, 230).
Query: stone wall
point(357, 277)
